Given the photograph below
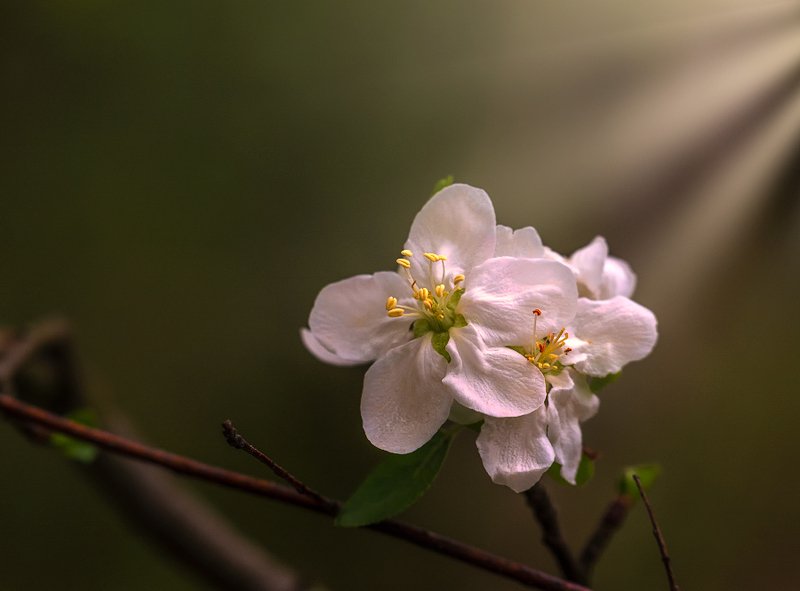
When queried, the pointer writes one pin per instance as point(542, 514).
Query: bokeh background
point(179, 179)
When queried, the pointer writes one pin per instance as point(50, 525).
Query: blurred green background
point(180, 179)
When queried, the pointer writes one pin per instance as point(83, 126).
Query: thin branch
point(662, 544)
point(609, 524)
point(234, 480)
point(545, 512)
point(236, 440)
point(150, 499)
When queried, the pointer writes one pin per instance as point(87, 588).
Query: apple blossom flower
point(438, 328)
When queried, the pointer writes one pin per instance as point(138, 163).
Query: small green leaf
point(442, 183)
point(396, 484)
point(584, 474)
point(439, 342)
point(421, 327)
point(519, 349)
point(460, 321)
point(75, 449)
point(647, 474)
point(597, 384)
point(455, 297)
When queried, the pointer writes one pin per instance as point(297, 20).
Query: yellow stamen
point(440, 290)
point(458, 279)
point(395, 313)
point(406, 253)
point(423, 294)
point(428, 304)
point(404, 263)
point(390, 303)
point(431, 256)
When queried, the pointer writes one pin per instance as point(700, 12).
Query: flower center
point(436, 295)
point(546, 352)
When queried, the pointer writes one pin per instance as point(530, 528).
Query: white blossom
point(438, 329)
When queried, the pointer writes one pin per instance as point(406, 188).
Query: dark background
point(180, 179)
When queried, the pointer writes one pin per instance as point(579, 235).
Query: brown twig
point(184, 526)
point(545, 512)
point(234, 480)
point(236, 440)
point(609, 524)
point(662, 544)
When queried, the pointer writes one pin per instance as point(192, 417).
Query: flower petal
point(502, 292)
point(522, 243)
point(320, 352)
point(570, 403)
point(457, 222)
point(349, 318)
point(495, 381)
point(516, 451)
point(588, 264)
point(404, 402)
point(609, 334)
point(618, 279)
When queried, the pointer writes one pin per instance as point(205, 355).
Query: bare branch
point(662, 544)
point(609, 524)
point(547, 516)
point(193, 468)
point(236, 440)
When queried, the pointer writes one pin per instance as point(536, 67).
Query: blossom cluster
point(482, 324)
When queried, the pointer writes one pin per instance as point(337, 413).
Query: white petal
point(457, 222)
point(610, 333)
point(349, 317)
point(404, 401)
point(618, 279)
point(320, 352)
point(569, 404)
point(502, 293)
point(516, 451)
point(495, 381)
point(523, 243)
point(588, 264)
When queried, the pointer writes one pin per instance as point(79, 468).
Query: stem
point(545, 512)
point(234, 480)
point(662, 544)
point(612, 520)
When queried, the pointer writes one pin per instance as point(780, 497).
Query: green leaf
point(442, 183)
point(455, 297)
point(439, 342)
point(76, 449)
point(647, 474)
point(396, 484)
point(584, 474)
point(421, 327)
point(597, 384)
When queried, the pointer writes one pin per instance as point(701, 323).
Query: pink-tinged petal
point(349, 318)
point(404, 401)
point(522, 243)
point(588, 264)
point(618, 279)
point(320, 352)
point(494, 381)
point(610, 333)
point(570, 403)
point(459, 223)
point(502, 293)
point(515, 451)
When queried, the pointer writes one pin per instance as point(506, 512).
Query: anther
point(390, 303)
point(428, 304)
point(404, 263)
point(406, 253)
point(458, 279)
point(431, 256)
point(395, 313)
point(423, 294)
point(536, 312)
point(440, 290)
